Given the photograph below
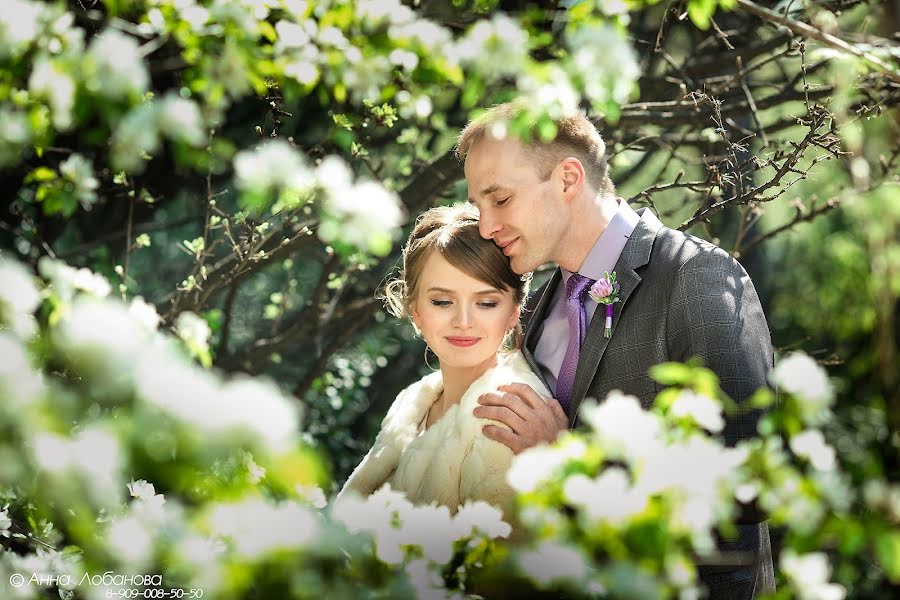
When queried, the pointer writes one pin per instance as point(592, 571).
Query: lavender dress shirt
point(551, 347)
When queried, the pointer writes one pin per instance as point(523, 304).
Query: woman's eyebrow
point(481, 293)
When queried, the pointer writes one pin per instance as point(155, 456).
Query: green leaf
point(887, 550)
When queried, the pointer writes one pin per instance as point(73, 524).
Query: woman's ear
point(514, 318)
point(414, 317)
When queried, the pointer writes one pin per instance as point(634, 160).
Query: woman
point(464, 300)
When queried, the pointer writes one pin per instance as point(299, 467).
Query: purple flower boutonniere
point(606, 291)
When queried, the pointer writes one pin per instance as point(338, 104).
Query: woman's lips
point(463, 342)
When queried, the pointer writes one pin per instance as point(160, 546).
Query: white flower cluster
point(20, 24)
point(79, 172)
point(140, 132)
point(622, 430)
point(273, 168)
point(492, 48)
point(19, 297)
point(256, 526)
point(803, 378)
point(605, 61)
point(365, 214)
point(114, 67)
point(808, 575)
point(395, 524)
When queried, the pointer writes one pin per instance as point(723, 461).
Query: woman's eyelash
point(488, 304)
point(441, 302)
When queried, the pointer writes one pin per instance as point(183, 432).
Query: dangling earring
point(427, 364)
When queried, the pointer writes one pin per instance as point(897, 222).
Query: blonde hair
point(452, 231)
point(576, 136)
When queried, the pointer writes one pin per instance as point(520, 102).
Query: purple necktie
point(576, 289)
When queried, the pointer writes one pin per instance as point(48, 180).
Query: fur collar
point(402, 423)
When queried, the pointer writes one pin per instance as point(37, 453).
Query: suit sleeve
point(715, 313)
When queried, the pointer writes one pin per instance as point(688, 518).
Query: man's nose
point(487, 226)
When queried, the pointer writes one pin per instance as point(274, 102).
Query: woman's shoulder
point(511, 367)
point(413, 399)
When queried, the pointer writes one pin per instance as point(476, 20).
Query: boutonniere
point(606, 291)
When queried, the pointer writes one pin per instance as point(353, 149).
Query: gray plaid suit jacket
point(680, 297)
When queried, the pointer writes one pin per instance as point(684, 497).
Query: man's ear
point(572, 175)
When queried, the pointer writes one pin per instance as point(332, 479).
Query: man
point(680, 297)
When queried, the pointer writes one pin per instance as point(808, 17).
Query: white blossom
point(622, 427)
point(549, 90)
point(136, 135)
point(534, 466)
point(257, 526)
point(20, 383)
point(180, 119)
point(144, 314)
point(393, 12)
point(313, 494)
point(271, 167)
point(480, 516)
point(65, 280)
point(20, 23)
point(703, 410)
point(365, 214)
point(608, 497)
point(605, 60)
point(291, 35)
point(811, 444)
point(492, 48)
point(19, 298)
point(193, 329)
point(51, 81)
point(80, 172)
point(553, 562)
point(800, 376)
point(809, 575)
point(93, 453)
point(5, 523)
point(118, 68)
point(130, 539)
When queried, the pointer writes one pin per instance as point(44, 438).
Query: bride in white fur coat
point(464, 300)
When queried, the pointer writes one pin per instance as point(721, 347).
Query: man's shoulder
point(673, 249)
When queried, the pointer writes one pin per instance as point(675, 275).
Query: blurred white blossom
point(5, 523)
point(553, 562)
point(605, 60)
point(51, 81)
point(608, 497)
point(116, 65)
point(549, 89)
point(193, 329)
point(703, 410)
point(364, 214)
point(393, 12)
point(801, 376)
point(144, 313)
point(79, 171)
point(65, 281)
point(537, 464)
point(809, 575)
point(257, 526)
point(180, 119)
point(20, 384)
point(492, 48)
point(480, 516)
point(130, 539)
point(811, 444)
point(135, 136)
point(313, 494)
point(19, 25)
point(94, 454)
point(19, 297)
point(622, 427)
point(271, 167)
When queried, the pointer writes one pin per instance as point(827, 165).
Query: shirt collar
point(605, 253)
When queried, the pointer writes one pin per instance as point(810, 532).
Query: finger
point(510, 401)
point(501, 414)
point(505, 437)
point(558, 413)
point(524, 391)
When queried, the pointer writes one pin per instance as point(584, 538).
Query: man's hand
point(532, 418)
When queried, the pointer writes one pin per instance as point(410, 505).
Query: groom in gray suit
point(680, 297)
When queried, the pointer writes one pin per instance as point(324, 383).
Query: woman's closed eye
point(437, 302)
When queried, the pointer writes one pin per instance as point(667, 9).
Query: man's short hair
point(576, 136)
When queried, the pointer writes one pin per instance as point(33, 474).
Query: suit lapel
point(635, 255)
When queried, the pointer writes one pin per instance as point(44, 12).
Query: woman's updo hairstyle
point(452, 231)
